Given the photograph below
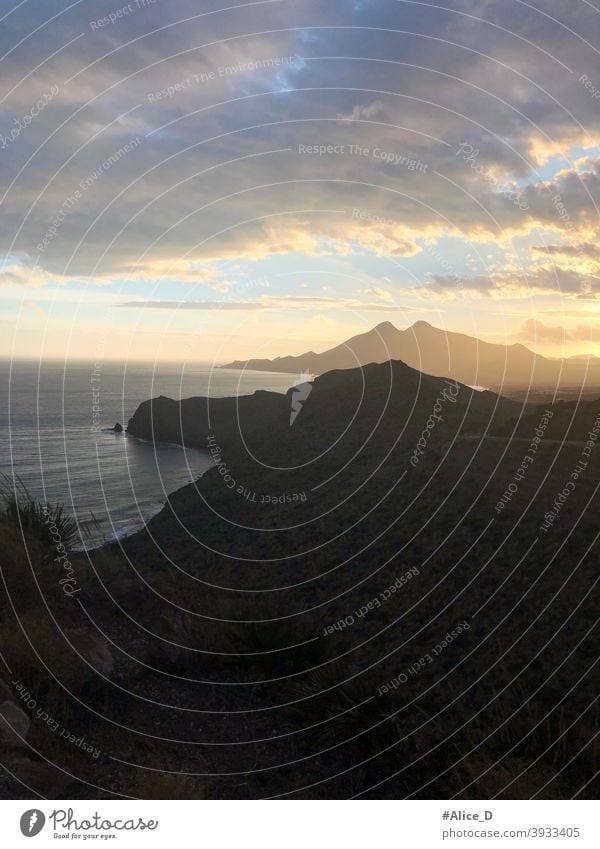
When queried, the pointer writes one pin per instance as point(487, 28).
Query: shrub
point(45, 522)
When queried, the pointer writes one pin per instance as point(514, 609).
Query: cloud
point(218, 172)
point(585, 249)
point(192, 305)
point(533, 330)
point(15, 273)
point(539, 280)
point(286, 302)
point(31, 306)
point(382, 294)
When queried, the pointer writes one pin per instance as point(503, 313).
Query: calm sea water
point(112, 483)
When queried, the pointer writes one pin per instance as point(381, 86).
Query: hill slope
point(377, 402)
point(364, 601)
point(441, 353)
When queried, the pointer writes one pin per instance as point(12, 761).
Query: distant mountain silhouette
point(441, 353)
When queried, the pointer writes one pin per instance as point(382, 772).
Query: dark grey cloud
point(584, 249)
point(549, 280)
point(216, 172)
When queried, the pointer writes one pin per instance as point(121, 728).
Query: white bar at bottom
point(302, 824)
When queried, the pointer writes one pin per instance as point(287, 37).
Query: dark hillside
point(371, 601)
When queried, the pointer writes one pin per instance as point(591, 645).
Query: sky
point(200, 181)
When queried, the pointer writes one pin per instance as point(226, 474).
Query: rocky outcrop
point(191, 421)
point(373, 399)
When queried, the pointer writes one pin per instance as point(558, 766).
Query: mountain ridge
point(365, 399)
point(440, 353)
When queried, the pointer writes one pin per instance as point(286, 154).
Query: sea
point(56, 438)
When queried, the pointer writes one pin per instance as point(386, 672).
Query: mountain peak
point(443, 353)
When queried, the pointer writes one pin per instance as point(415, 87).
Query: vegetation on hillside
point(249, 648)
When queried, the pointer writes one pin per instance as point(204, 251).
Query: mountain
point(441, 353)
point(343, 408)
